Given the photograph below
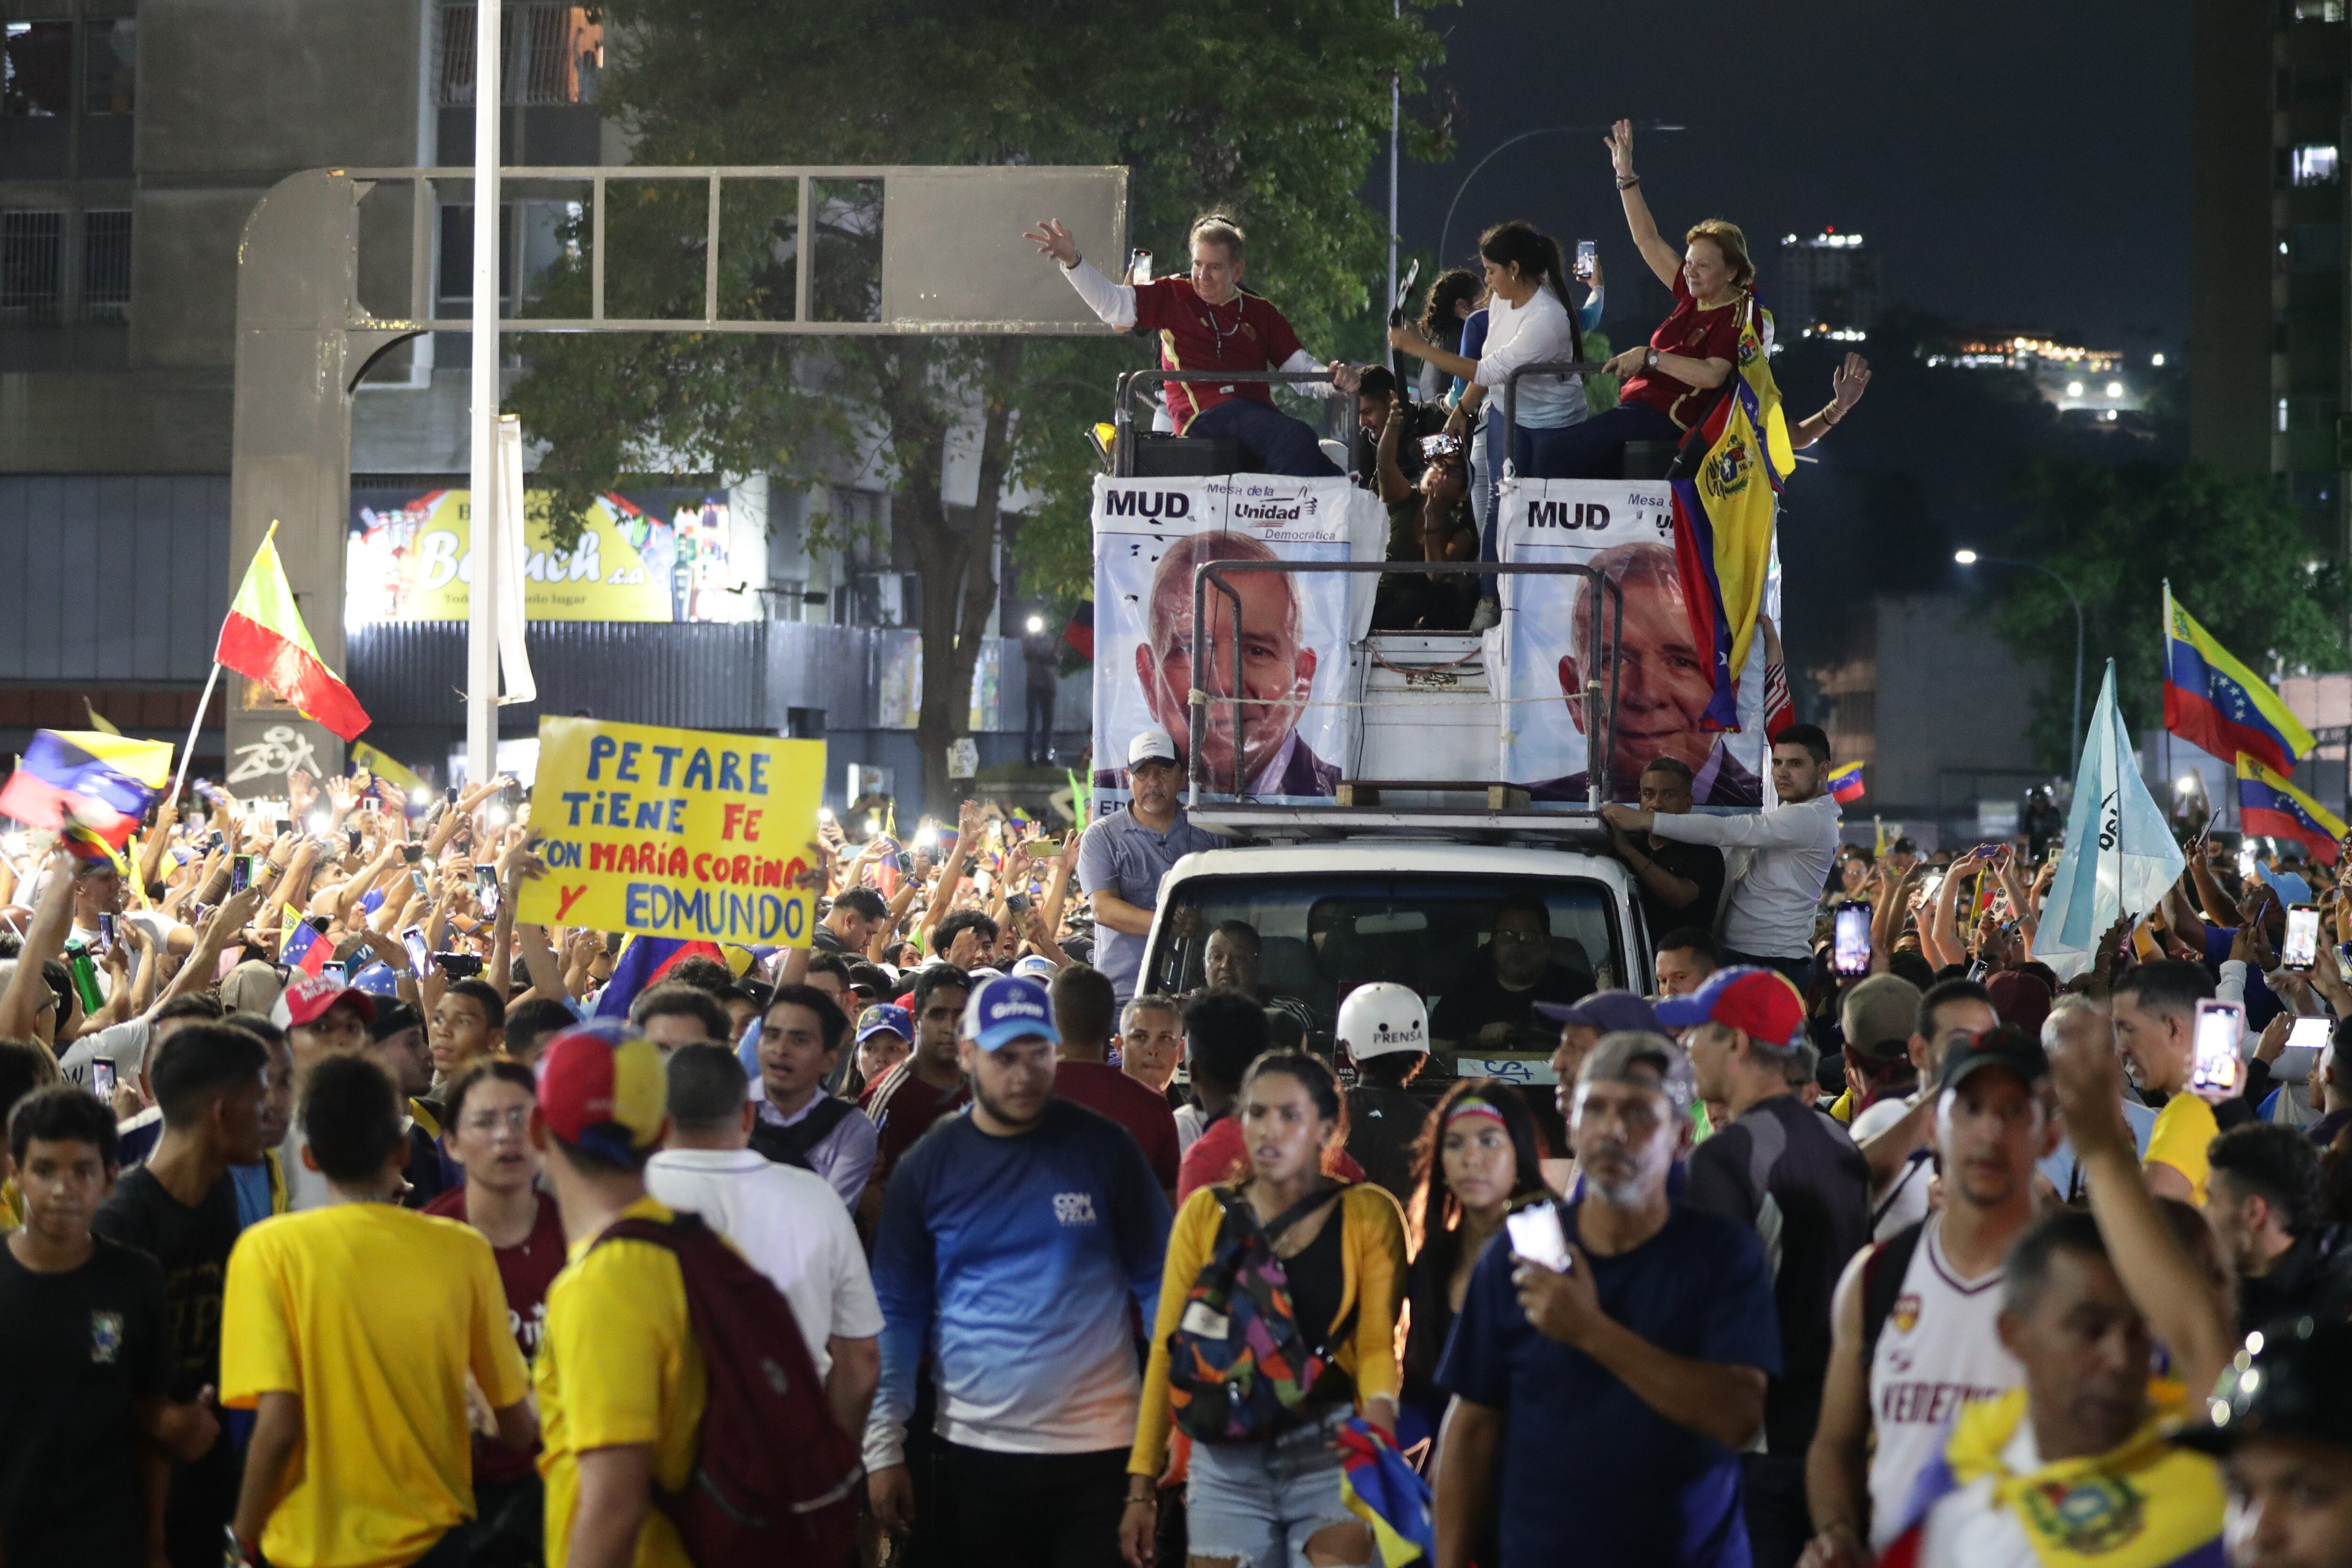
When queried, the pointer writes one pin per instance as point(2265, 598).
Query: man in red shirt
point(488, 1130)
point(1085, 1012)
point(929, 1084)
point(1205, 322)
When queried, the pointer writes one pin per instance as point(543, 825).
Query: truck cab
point(1338, 901)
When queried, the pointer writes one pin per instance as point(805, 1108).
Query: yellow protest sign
point(674, 832)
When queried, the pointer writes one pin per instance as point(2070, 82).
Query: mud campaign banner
point(1150, 537)
point(1624, 528)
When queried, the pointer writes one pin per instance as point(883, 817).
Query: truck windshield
point(1319, 936)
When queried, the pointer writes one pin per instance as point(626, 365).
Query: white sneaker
point(1486, 615)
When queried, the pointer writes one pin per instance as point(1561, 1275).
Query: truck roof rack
point(1255, 823)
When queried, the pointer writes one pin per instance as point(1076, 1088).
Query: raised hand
point(1620, 142)
point(1053, 240)
point(1850, 381)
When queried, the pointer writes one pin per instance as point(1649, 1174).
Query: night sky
point(2016, 162)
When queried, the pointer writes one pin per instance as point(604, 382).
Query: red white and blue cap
point(1759, 1002)
point(602, 1088)
point(1007, 1008)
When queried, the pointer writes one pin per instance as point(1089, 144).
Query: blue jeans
point(1259, 1502)
point(1534, 457)
point(1271, 441)
point(1595, 449)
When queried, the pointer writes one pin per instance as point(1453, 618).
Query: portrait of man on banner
point(1664, 677)
point(1294, 728)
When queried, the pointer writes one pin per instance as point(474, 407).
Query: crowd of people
point(356, 1222)
point(1915, 1256)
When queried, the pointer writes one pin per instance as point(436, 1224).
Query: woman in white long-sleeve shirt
point(1529, 321)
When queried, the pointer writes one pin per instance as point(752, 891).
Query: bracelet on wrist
point(1627, 182)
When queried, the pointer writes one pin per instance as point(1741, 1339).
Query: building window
point(553, 54)
point(2315, 164)
point(110, 66)
point(2319, 10)
point(30, 246)
point(106, 264)
point(36, 79)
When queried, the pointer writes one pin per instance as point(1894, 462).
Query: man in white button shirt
point(788, 1222)
point(1774, 899)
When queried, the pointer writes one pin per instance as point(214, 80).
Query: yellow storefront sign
point(415, 562)
point(674, 832)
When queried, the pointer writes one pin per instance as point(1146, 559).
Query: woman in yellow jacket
point(1266, 1503)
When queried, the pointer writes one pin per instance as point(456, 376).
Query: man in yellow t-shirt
point(2156, 1031)
point(350, 1331)
point(620, 1379)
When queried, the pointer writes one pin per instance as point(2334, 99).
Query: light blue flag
point(2120, 855)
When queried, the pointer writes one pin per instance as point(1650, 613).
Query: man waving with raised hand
point(1205, 322)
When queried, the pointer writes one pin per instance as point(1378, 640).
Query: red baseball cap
point(1759, 1002)
point(307, 997)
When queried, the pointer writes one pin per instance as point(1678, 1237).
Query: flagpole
point(194, 724)
point(211, 681)
point(482, 593)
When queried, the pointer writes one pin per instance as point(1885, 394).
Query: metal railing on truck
point(1124, 432)
point(1600, 649)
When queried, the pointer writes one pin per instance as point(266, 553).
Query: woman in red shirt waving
point(1668, 383)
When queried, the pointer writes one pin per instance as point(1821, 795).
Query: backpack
point(791, 1145)
point(1881, 1284)
point(775, 1478)
point(1239, 1365)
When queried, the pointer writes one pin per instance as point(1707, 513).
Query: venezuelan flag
point(1723, 514)
point(643, 961)
point(306, 950)
point(1845, 781)
point(104, 781)
point(2215, 703)
point(1377, 1487)
point(2268, 805)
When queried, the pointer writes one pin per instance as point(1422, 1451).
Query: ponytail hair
point(1538, 256)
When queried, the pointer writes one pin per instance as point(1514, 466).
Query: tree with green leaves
point(2236, 554)
point(1269, 109)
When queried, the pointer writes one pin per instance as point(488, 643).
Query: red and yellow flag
point(264, 640)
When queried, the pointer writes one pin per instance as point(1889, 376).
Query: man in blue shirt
point(1123, 856)
point(1609, 1401)
point(1016, 1245)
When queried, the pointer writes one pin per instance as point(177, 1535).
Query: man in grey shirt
point(1776, 895)
point(1124, 855)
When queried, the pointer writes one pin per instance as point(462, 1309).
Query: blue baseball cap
point(1007, 1008)
point(1036, 966)
point(883, 1018)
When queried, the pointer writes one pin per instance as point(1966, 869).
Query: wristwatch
point(1649, 358)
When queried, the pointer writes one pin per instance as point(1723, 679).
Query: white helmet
point(1382, 1018)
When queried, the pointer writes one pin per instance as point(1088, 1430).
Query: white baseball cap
point(1382, 1019)
point(1150, 746)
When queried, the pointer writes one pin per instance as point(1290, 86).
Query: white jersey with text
point(1940, 1347)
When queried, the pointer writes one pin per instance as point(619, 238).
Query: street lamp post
point(1445, 230)
point(1971, 558)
